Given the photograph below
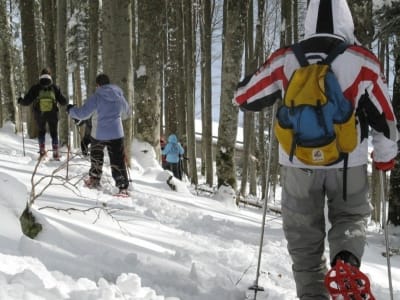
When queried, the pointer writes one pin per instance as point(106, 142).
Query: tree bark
point(234, 25)
point(30, 54)
point(62, 73)
point(117, 54)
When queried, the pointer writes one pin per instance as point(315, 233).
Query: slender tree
point(234, 28)
point(8, 87)
point(30, 54)
point(205, 23)
point(48, 10)
point(62, 72)
point(190, 74)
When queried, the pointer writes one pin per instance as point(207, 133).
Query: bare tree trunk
point(190, 74)
point(363, 21)
point(48, 7)
point(62, 73)
point(147, 79)
point(8, 87)
point(234, 25)
point(117, 53)
point(248, 124)
point(207, 90)
point(93, 45)
point(394, 194)
point(173, 68)
point(29, 49)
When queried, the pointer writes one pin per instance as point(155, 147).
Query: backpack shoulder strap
point(299, 53)
point(339, 49)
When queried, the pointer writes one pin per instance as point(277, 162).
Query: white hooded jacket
point(358, 70)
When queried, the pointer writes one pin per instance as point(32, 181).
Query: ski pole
point(386, 230)
point(255, 286)
point(68, 145)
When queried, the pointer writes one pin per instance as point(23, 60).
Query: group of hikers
point(311, 175)
point(102, 115)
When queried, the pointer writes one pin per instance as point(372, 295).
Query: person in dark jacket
point(45, 96)
point(173, 152)
point(106, 107)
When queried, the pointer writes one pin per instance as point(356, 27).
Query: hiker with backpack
point(106, 107)
point(45, 96)
point(323, 144)
point(173, 152)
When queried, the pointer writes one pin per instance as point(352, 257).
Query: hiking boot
point(346, 257)
point(42, 150)
point(56, 154)
point(123, 192)
point(92, 182)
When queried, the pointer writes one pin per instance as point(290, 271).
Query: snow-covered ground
point(158, 244)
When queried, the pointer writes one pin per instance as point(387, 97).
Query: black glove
point(78, 122)
point(69, 106)
point(19, 100)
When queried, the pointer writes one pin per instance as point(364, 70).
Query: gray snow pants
point(303, 212)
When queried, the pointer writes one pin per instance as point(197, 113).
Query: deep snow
point(157, 244)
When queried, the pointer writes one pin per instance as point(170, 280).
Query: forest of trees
point(161, 53)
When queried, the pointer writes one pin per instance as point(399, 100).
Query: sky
point(158, 244)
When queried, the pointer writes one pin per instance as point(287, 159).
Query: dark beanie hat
point(102, 79)
point(45, 79)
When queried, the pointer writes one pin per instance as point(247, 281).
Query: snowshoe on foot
point(42, 151)
point(171, 183)
point(56, 153)
point(123, 192)
point(92, 182)
point(346, 282)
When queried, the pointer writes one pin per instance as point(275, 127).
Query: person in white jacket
point(307, 189)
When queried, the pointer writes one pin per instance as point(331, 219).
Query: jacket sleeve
point(84, 112)
point(166, 149)
point(60, 98)
point(382, 120)
point(263, 87)
point(31, 95)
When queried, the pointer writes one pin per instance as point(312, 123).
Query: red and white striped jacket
point(360, 77)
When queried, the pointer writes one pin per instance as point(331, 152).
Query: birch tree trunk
point(234, 25)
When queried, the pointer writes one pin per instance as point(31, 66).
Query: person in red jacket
point(306, 190)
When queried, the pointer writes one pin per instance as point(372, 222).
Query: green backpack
point(46, 100)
